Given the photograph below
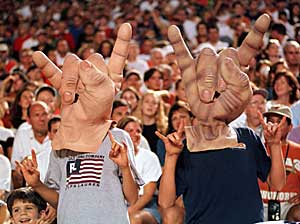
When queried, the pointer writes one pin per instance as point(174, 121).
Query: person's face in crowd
point(26, 58)
point(87, 52)
point(286, 128)
point(167, 80)
point(62, 47)
point(282, 87)
point(155, 82)
point(119, 113)
point(77, 21)
point(157, 58)
point(134, 130)
point(134, 81)
point(176, 74)
point(257, 103)
point(292, 55)
point(180, 93)
point(26, 99)
point(273, 52)
point(89, 29)
point(213, 35)
point(17, 83)
point(38, 118)
point(179, 115)
point(62, 27)
point(42, 38)
point(130, 99)
point(99, 37)
point(150, 105)
point(146, 46)
point(133, 50)
point(106, 48)
point(52, 56)
point(35, 75)
point(53, 130)
point(239, 10)
point(202, 30)
point(47, 97)
point(3, 56)
point(24, 212)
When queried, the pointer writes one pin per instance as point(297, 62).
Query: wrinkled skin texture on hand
point(216, 88)
point(85, 121)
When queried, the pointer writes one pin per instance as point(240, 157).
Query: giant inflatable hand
point(216, 88)
point(87, 89)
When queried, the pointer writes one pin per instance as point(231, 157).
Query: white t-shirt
point(24, 142)
point(148, 166)
point(5, 173)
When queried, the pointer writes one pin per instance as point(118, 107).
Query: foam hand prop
point(87, 89)
point(216, 88)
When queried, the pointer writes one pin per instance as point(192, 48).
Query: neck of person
point(40, 136)
point(252, 125)
point(148, 120)
point(285, 100)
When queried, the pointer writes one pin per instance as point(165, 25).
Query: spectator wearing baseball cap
point(132, 79)
point(288, 197)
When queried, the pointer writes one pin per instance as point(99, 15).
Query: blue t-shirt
point(221, 186)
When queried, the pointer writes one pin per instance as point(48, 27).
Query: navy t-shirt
point(221, 186)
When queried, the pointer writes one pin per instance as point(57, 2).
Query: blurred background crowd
point(151, 89)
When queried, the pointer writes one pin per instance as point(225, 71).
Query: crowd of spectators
point(151, 91)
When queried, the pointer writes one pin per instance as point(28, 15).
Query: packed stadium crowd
point(151, 102)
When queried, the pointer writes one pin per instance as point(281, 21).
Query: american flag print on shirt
point(84, 171)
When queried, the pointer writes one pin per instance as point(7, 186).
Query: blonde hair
point(161, 119)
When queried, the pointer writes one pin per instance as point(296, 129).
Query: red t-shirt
point(292, 186)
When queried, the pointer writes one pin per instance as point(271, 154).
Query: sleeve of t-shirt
point(18, 150)
point(53, 176)
point(152, 168)
point(180, 173)
point(263, 161)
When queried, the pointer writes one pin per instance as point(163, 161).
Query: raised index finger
point(183, 55)
point(34, 160)
point(51, 71)
point(120, 52)
point(254, 40)
point(261, 120)
point(180, 128)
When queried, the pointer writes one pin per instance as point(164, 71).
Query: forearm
point(130, 188)
point(48, 194)
point(167, 189)
point(143, 200)
point(276, 177)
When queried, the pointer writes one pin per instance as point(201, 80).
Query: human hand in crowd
point(29, 168)
point(118, 153)
point(47, 216)
point(87, 88)
point(272, 131)
point(217, 89)
point(295, 200)
point(173, 141)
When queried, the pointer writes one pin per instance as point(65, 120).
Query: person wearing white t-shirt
point(148, 166)
point(35, 138)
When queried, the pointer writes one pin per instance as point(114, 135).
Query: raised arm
point(167, 188)
point(272, 133)
point(29, 168)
